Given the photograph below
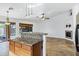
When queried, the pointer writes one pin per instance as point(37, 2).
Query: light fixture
point(28, 9)
point(7, 19)
point(43, 17)
point(7, 22)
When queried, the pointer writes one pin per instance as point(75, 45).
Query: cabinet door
point(17, 48)
point(37, 49)
point(26, 50)
point(26, 47)
point(11, 46)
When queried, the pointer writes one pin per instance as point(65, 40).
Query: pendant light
point(28, 9)
point(7, 19)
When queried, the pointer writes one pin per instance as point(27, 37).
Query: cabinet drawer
point(17, 48)
point(26, 51)
point(17, 51)
point(25, 54)
point(26, 47)
point(17, 45)
point(11, 48)
point(22, 52)
point(11, 42)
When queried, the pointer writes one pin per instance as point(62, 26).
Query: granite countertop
point(28, 41)
point(36, 33)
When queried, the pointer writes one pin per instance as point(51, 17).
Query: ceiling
point(19, 9)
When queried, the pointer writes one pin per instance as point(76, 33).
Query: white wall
point(55, 27)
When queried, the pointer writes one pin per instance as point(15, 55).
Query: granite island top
point(27, 41)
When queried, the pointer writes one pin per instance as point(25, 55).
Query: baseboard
point(60, 38)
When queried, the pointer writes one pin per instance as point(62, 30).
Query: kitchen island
point(23, 48)
point(30, 44)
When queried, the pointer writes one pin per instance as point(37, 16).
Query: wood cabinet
point(26, 27)
point(12, 45)
point(17, 48)
point(37, 49)
point(24, 49)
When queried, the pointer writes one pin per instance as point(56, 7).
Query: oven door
point(68, 34)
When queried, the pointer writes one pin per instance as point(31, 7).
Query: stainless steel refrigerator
point(77, 37)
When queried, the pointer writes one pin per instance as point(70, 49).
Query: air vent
point(70, 12)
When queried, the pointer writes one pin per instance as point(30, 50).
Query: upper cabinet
point(25, 27)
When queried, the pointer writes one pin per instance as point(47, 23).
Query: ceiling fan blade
point(47, 18)
point(43, 17)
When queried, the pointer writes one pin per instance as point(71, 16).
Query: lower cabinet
point(25, 50)
point(12, 46)
point(37, 49)
point(17, 48)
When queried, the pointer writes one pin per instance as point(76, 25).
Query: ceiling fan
point(43, 17)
